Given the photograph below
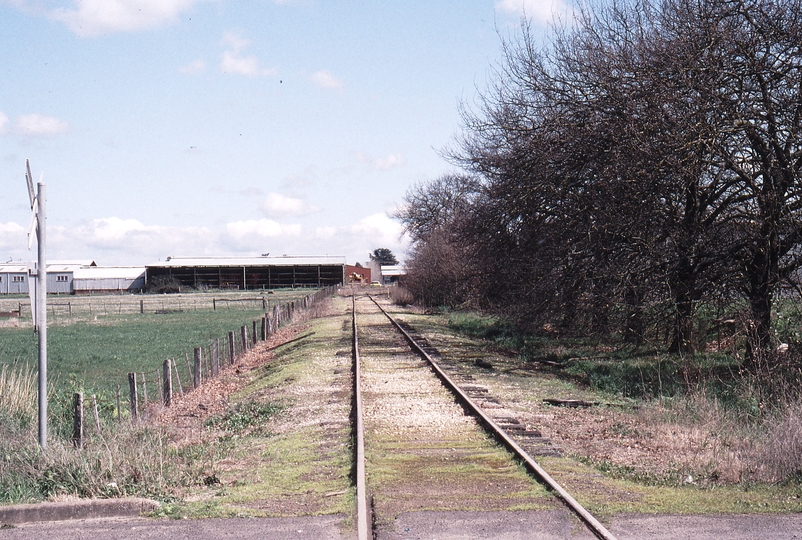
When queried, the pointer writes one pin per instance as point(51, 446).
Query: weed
point(244, 416)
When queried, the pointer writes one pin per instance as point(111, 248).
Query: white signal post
point(39, 289)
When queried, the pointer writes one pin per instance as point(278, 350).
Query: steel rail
point(362, 517)
point(591, 522)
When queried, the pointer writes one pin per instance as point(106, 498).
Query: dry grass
point(781, 452)
point(400, 296)
point(18, 391)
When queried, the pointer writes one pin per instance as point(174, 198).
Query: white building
point(71, 277)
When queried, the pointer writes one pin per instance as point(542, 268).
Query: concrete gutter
point(80, 509)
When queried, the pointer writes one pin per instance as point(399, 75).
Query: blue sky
point(233, 127)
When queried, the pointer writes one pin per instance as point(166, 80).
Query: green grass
point(244, 416)
point(119, 459)
point(98, 352)
point(278, 449)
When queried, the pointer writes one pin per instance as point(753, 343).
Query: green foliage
point(485, 327)
point(383, 256)
point(244, 416)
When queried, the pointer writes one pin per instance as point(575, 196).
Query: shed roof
point(174, 262)
point(393, 270)
point(109, 272)
point(13, 269)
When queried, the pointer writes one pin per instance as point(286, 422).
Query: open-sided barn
point(250, 272)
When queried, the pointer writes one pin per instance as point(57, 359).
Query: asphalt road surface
point(543, 525)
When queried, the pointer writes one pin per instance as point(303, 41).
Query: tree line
point(640, 163)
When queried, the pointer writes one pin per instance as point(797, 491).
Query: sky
point(170, 128)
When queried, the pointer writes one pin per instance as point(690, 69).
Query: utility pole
point(39, 289)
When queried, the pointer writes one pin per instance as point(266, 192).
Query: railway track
point(419, 385)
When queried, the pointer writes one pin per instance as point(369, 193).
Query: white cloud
point(378, 226)
point(3, 122)
point(95, 17)
point(276, 204)
point(193, 68)
point(114, 240)
point(39, 124)
point(325, 79)
point(542, 11)
point(386, 163)
point(115, 229)
point(390, 162)
point(235, 42)
point(233, 61)
point(325, 233)
point(262, 228)
point(12, 236)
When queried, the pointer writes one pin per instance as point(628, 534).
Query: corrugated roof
point(13, 268)
point(174, 262)
point(393, 270)
point(52, 267)
point(73, 263)
point(109, 272)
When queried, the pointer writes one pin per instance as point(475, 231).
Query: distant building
point(391, 274)
point(71, 277)
point(14, 279)
point(249, 273)
point(357, 274)
point(105, 279)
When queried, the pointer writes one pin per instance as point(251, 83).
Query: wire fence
point(179, 376)
point(87, 307)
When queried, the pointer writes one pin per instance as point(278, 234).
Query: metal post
point(41, 312)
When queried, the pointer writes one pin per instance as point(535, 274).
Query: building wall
point(14, 283)
point(108, 285)
point(59, 282)
point(361, 271)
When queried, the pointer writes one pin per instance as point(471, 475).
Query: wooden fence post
point(264, 328)
point(167, 384)
point(254, 335)
point(95, 413)
point(244, 336)
point(78, 420)
point(142, 306)
point(215, 357)
point(134, 397)
point(196, 381)
point(231, 353)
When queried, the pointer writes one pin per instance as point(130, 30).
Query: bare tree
point(645, 160)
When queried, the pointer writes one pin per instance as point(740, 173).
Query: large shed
point(243, 273)
point(14, 278)
point(105, 279)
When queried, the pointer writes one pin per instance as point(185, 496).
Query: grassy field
point(117, 458)
point(94, 341)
